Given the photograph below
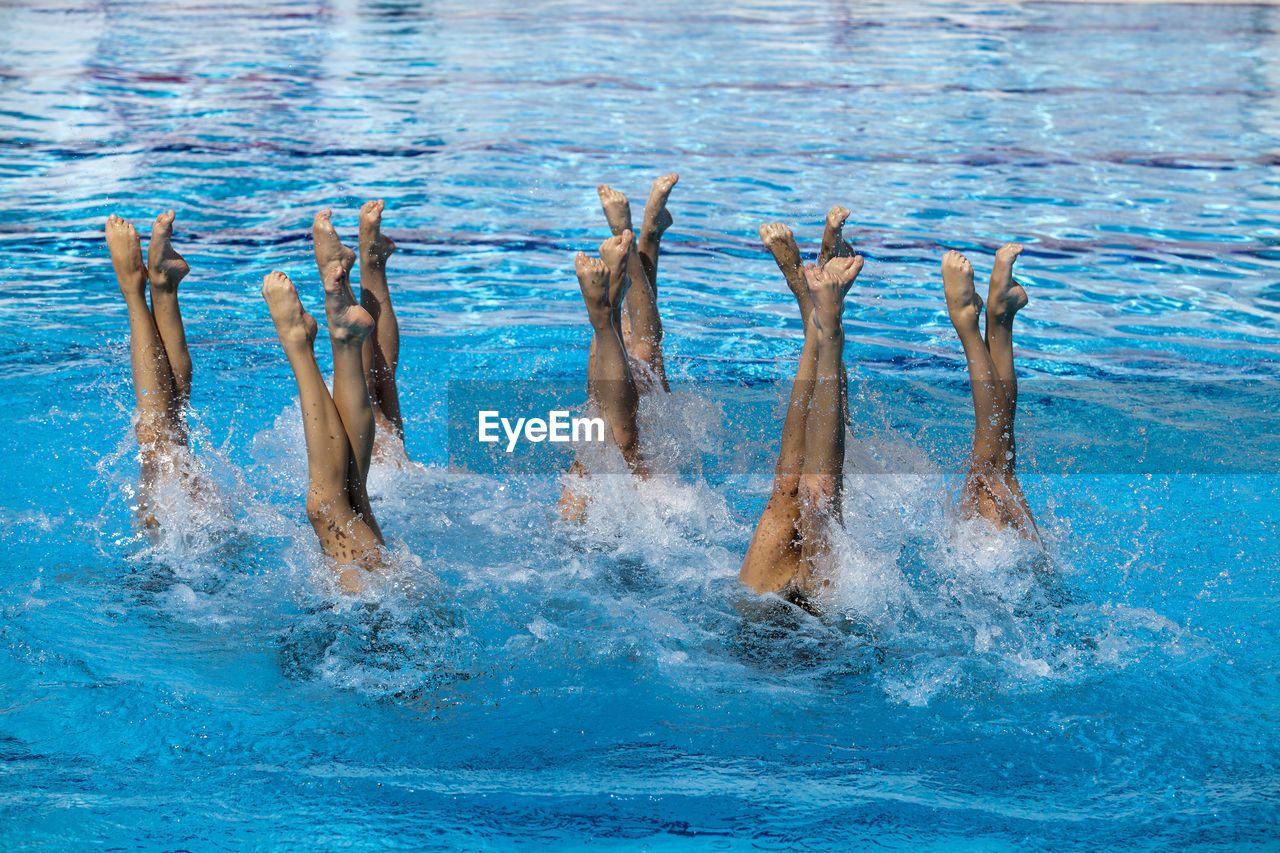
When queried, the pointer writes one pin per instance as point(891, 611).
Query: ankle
point(827, 328)
point(965, 321)
point(296, 345)
point(1002, 321)
point(345, 336)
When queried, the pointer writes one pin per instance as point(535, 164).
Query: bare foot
point(827, 289)
point(780, 242)
point(165, 266)
point(963, 303)
point(616, 254)
point(1006, 297)
point(657, 219)
point(375, 247)
point(293, 324)
point(833, 242)
point(617, 210)
point(348, 322)
point(329, 248)
point(593, 281)
point(126, 257)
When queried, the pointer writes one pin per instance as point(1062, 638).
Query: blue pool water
point(521, 683)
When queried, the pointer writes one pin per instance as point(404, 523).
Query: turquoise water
point(525, 684)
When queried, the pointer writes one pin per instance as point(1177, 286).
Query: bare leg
point(991, 408)
point(833, 242)
point(786, 254)
point(375, 297)
point(349, 328)
point(990, 489)
point(330, 251)
point(617, 213)
point(166, 268)
point(610, 386)
point(835, 246)
point(644, 341)
point(153, 384)
point(1004, 299)
point(823, 477)
point(604, 283)
point(773, 558)
point(328, 246)
point(335, 262)
point(657, 219)
point(160, 427)
point(780, 242)
point(344, 534)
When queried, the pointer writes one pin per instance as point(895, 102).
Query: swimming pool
point(527, 684)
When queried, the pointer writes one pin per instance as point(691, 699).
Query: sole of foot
point(165, 267)
point(293, 324)
point(657, 219)
point(126, 256)
point(593, 281)
point(828, 286)
point(833, 243)
point(375, 247)
point(963, 303)
point(616, 254)
point(348, 322)
point(617, 210)
point(781, 243)
point(1006, 297)
point(328, 245)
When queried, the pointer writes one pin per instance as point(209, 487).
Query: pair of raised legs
point(640, 327)
point(159, 358)
point(625, 358)
point(380, 355)
point(341, 427)
point(991, 488)
point(790, 549)
point(781, 243)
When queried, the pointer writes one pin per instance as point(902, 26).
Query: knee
point(155, 430)
point(821, 491)
point(786, 483)
point(322, 505)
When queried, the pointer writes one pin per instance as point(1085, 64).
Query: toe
point(662, 186)
point(1009, 252)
